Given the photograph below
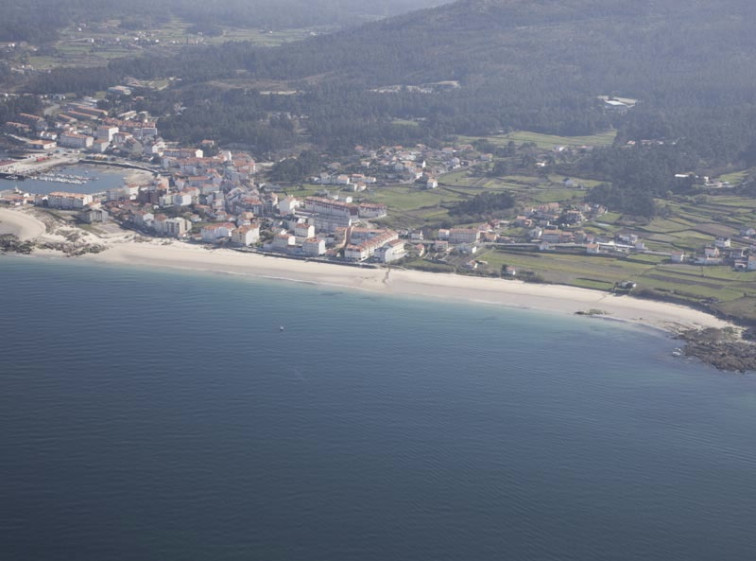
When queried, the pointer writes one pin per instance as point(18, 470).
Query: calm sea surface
point(164, 416)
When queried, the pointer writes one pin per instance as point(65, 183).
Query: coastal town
point(219, 197)
point(377, 279)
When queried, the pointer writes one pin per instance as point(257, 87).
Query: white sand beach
point(20, 224)
point(158, 253)
point(516, 294)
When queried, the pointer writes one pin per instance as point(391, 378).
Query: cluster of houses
point(391, 165)
point(420, 165)
point(82, 125)
point(723, 252)
point(217, 199)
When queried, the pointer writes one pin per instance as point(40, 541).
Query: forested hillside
point(473, 67)
point(518, 64)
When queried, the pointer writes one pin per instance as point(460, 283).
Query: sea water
point(156, 415)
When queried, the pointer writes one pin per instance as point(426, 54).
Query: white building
point(143, 218)
point(246, 235)
point(314, 247)
point(326, 223)
point(74, 140)
point(372, 210)
point(464, 235)
point(106, 133)
point(363, 243)
point(304, 231)
point(174, 227)
point(125, 192)
point(356, 253)
point(392, 251)
point(182, 199)
point(288, 205)
point(68, 201)
point(327, 207)
point(215, 233)
point(177, 227)
point(283, 242)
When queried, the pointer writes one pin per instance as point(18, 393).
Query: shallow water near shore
point(160, 415)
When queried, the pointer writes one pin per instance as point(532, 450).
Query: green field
point(688, 223)
point(548, 141)
point(97, 44)
point(735, 178)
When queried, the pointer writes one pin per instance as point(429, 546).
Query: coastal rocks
point(72, 249)
point(11, 244)
point(591, 312)
point(724, 349)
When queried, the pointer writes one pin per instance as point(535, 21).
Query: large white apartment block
point(392, 251)
point(106, 133)
point(68, 201)
point(372, 210)
point(183, 153)
point(364, 243)
point(326, 223)
point(331, 208)
point(175, 227)
point(178, 227)
point(74, 140)
point(360, 235)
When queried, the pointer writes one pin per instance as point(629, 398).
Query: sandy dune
point(22, 225)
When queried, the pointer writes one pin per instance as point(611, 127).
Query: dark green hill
point(506, 64)
point(609, 43)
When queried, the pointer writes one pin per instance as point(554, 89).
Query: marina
point(65, 178)
point(80, 178)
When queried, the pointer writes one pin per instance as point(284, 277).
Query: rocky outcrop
point(724, 349)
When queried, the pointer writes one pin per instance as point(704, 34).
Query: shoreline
point(559, 299)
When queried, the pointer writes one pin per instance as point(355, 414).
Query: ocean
point(153, 415)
